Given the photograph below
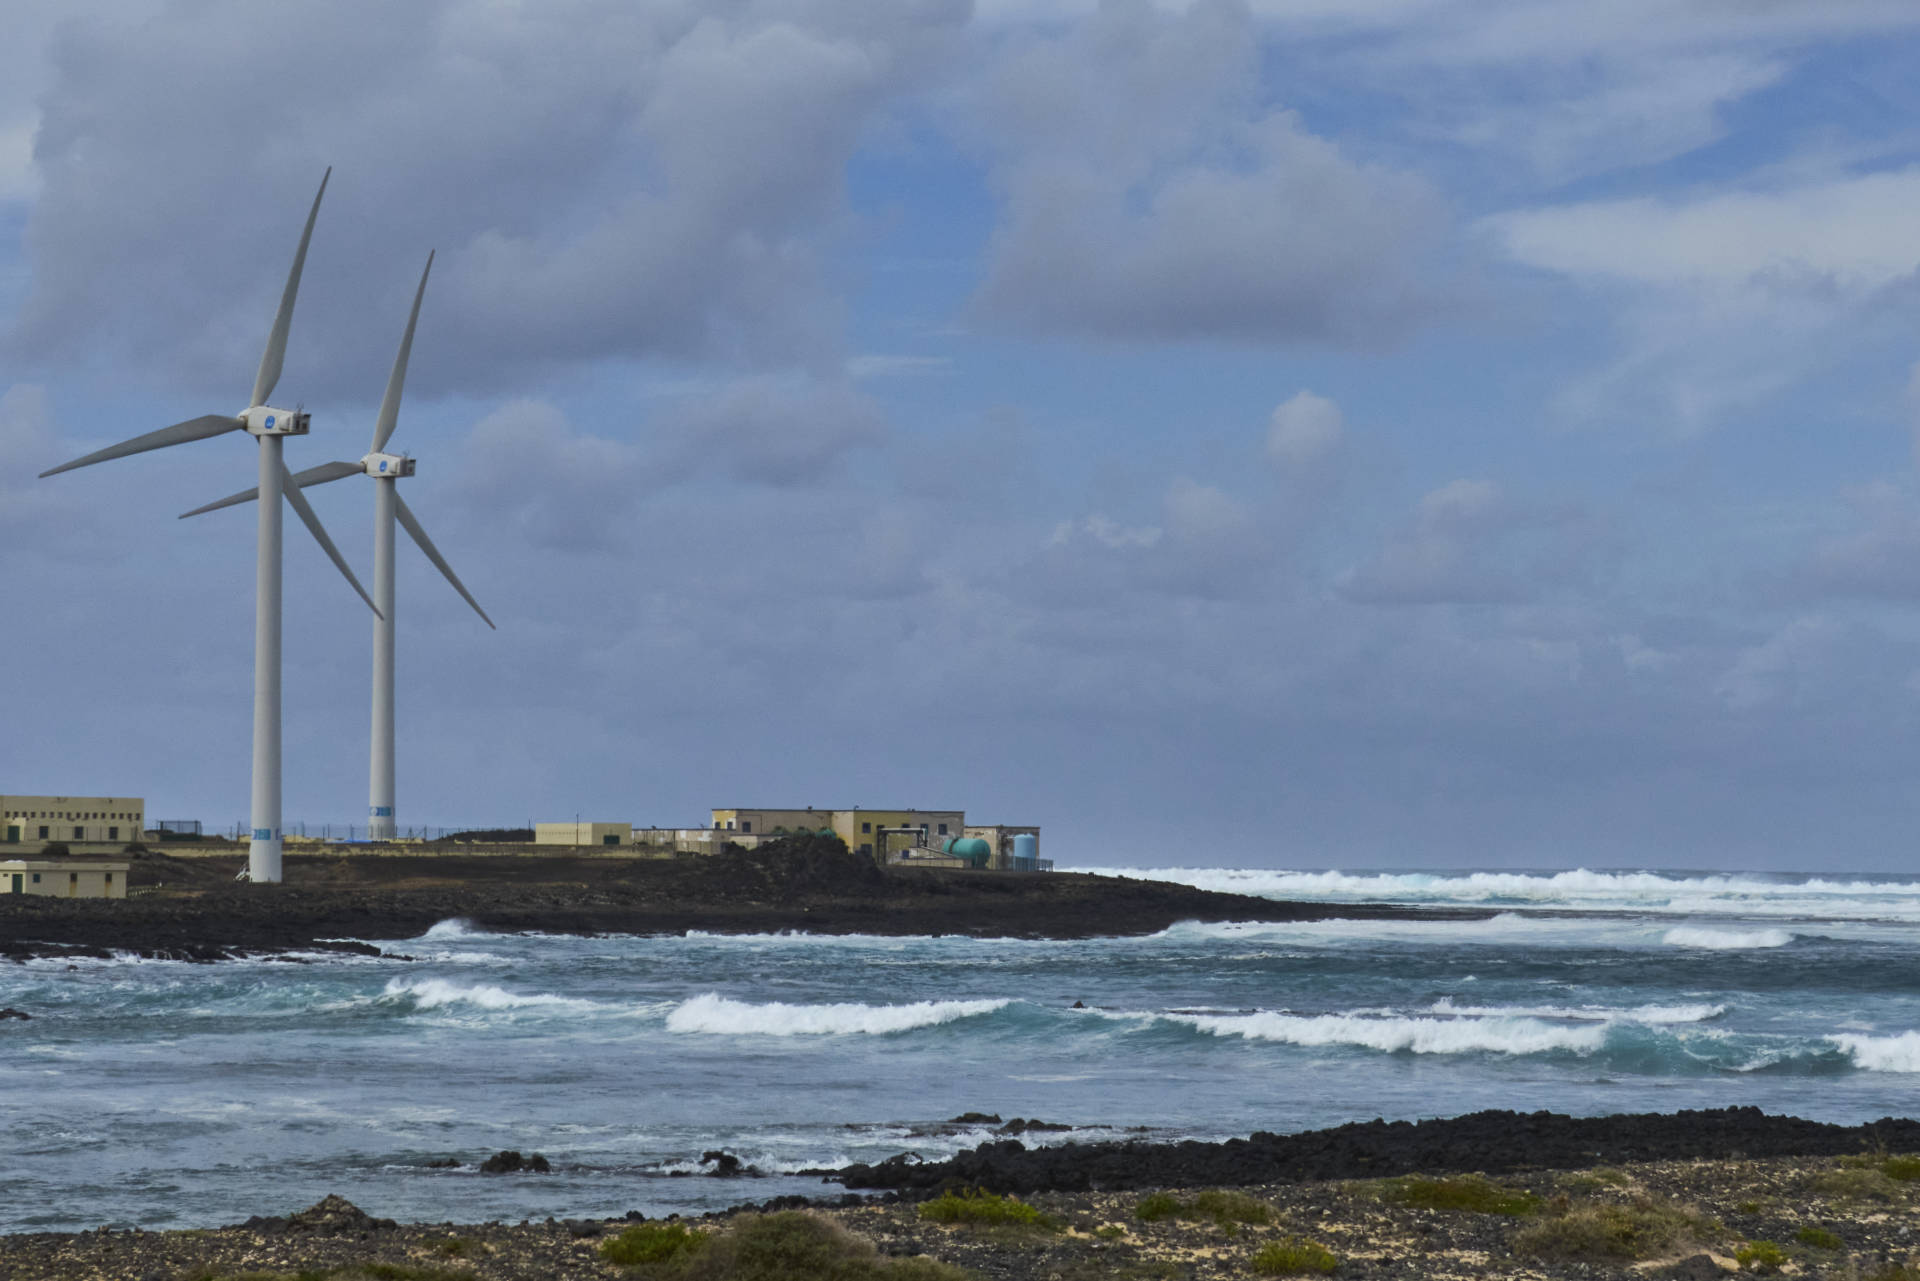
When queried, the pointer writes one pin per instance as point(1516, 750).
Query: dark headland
point(194, 909)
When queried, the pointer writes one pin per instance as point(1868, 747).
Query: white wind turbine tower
point(271, 427)
point(385, 469)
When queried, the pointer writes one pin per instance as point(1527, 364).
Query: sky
point(1310, 433)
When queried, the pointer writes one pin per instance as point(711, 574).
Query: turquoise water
point(169, 1094)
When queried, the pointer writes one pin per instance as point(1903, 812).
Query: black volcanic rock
point(513, 1163)
point(1490, 1142)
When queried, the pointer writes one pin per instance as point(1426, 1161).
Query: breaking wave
point(1881, 1053)
point(1725, 940)
point(433, 994)
point(1394, 1035)
point(1745, 894)
point(719, 1015)
point(1654, 1015)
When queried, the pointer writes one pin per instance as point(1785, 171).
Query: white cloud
point(1304, 430)
point(1469, 543)
point(1856, 233)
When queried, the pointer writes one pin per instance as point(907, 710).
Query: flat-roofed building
point(860, 829)
point(75, 820)
point(580, 832)
point(64, 877)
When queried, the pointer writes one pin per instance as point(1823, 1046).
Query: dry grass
point(1598, 1230)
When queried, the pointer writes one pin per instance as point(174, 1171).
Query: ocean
point(167, 1094)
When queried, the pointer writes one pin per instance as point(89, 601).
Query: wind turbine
point(385, 469)
point(271, 427)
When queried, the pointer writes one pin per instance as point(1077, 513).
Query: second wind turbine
point(385, 469)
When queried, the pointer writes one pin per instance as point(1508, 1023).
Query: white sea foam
point(1882, 1053)
point(1725, 940)
point(1666, 892)
point(1653, 1015)
point(453, 928)
point(431, 994)
point(713, 1013)
point(1395, 1035)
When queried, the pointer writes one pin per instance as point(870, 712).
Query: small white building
point(64, 877)
point(580, 832)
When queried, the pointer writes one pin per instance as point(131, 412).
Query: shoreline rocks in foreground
point(192, 909)
point(1812, 1213)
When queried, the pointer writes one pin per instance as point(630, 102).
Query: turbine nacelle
point(380, 465)
point(264, 420)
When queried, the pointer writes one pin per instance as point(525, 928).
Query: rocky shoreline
point(1690, 1195)
point(193, 909)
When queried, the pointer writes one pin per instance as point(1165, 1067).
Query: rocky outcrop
point(514, 1163)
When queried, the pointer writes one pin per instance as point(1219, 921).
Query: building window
point(746, 825)
point(113, 833)
point(943, 829)
point(866, 829)
point(77, 832)
point(36, 878)
point(109, 878)
point(864, 849)
point(43, 836)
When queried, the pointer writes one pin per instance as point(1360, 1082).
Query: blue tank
point(1026, 852)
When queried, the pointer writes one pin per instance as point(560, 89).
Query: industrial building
point(74, 820)
point(64, 877)
point(921, 837)
point(578, 832)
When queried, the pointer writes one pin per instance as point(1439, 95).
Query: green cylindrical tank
point(970, 848)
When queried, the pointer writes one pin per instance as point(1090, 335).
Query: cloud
point(603, 181)
point(526, 466)
point(1147, 196)
point(1469, 543)
point(772, 430)
point(1304, 430)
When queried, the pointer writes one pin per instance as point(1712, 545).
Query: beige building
point(579, 832)
point(860, 829)
point(64, 877)
point(84, 820)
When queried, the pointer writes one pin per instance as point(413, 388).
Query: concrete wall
point(35, 820)
point(63, 878)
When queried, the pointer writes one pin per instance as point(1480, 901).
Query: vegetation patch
point(1602, 1230)
point(1854, 1183)
point(1903, 1168)
point(651, 1243)
point(978, 1206)
point(1295, 1256)
point(351, 1272)
point(1468, 1192)
point(787, 1246)
point(1225, 1208)
point(1819, 1238)
point(1760, 1256)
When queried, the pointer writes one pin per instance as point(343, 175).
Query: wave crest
point(1505, 1035)
point(1725, 940)
point(718, 1015)
point(1881, 1053)
point(432, 994)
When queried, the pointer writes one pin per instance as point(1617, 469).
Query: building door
point(13, 833)
point(17, 878)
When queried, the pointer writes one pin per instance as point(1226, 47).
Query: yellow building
point(84, 820)
point(860, 829)
point(64, 877)
point(580, 832)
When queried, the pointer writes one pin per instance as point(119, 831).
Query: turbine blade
point(298, 501)
point(405, 513)
point(276, 351)
point(390, 407)
point(302, 479)
point(178, 434)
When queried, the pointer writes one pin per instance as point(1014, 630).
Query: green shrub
point(1156, 1206)
point(1851, 1183)
point(1599, 1230)
point(1760, 1256)
point(1818, 1238)
point(979, 1206)
point(1225, 1208)
point(1469, 1192)
point(793, 1245)
point(1292, 1257)
point(1904, 1168)
point(651, 1243)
